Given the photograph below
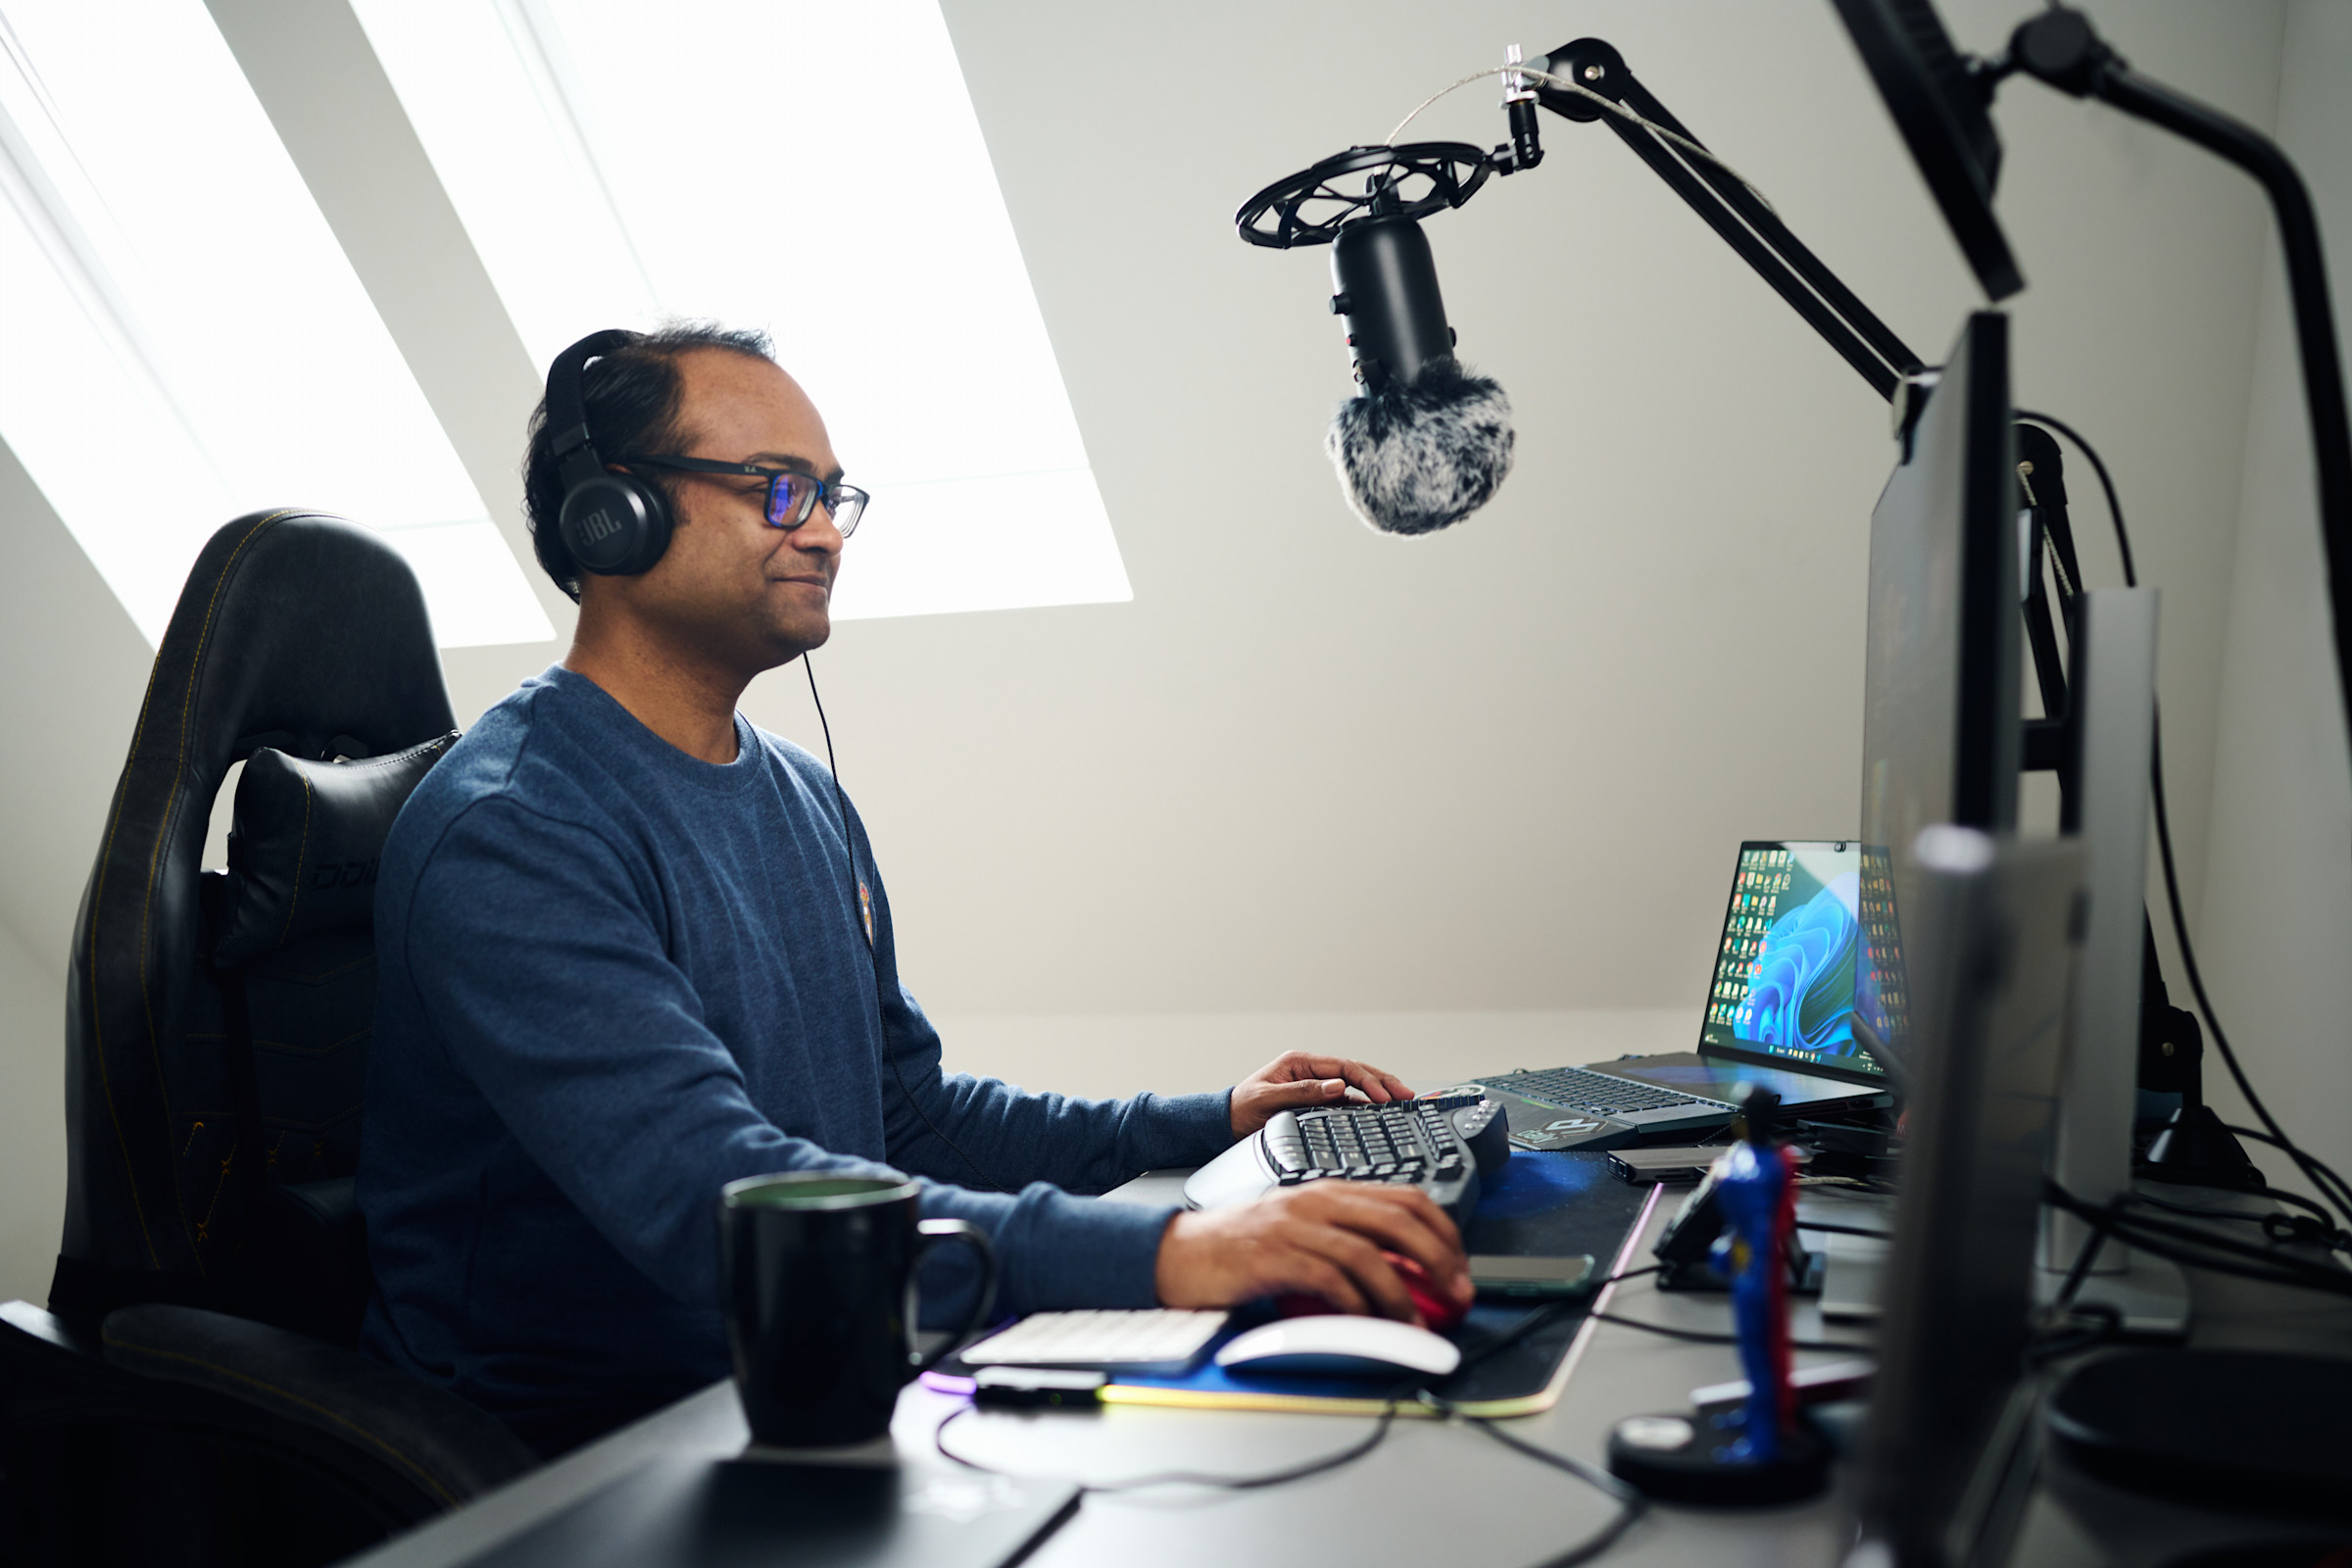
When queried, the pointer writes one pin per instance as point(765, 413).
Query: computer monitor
point(1993, 933)
point(1940, 709)
point(1941, 106)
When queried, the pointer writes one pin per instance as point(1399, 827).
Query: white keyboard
point(1146, 1337)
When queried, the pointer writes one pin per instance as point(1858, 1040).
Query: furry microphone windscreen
point(1414, 458)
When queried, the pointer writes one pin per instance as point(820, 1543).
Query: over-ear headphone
point(614, 524)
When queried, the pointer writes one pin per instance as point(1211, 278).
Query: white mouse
point(1340, 1345)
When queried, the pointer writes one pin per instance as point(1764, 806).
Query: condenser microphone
point(1426, 442)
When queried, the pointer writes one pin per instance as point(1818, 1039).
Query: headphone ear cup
point(614, 524)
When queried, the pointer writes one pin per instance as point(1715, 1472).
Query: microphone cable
point(873, 940)
point(1674, 138)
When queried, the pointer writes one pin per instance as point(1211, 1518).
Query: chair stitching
point(402, 1460)
point(204, 1225)
point(106, 1083)
point(302, 855)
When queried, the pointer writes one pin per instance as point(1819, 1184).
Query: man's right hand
point(1323, 1238)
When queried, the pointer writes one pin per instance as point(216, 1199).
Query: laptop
point(1807, 944)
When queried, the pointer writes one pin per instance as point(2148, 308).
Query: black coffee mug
point(819, 1276)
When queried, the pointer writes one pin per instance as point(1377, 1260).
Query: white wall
point(1451, 797)
point(32, 1132)
point(2275, 922)
point(75, 669)
point(1502, 768)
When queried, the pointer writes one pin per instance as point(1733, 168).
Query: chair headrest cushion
point(304, 847)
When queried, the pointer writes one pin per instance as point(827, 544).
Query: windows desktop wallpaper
point(1794, 954)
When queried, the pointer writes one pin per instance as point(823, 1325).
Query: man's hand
point(1295, 1079)
point(1324, 1238)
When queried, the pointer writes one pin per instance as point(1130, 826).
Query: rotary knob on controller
point(1485, 1129)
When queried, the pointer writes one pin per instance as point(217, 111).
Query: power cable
point(1631, 1503)
point(1705, 1337)
point(2223, 1254)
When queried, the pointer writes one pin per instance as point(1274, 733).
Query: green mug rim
point(853, 1192)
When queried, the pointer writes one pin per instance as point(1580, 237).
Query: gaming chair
point(190, 1394)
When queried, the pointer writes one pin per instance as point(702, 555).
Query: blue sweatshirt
point(612, 979)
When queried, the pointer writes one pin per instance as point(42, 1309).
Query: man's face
point(731, 589)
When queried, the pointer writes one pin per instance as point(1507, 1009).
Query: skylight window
point(183, 340)
point(814, 169)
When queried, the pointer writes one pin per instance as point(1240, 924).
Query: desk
point(1431, 1493)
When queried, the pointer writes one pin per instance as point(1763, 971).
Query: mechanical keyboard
point(1443, 1146)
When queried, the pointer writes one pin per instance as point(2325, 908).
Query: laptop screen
point(1807, 940)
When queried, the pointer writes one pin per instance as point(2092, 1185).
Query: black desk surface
point(1432, 1491)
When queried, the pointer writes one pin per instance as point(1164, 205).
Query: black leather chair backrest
point(297, 631)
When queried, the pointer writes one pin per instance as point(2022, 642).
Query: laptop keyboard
point(1574, 1089)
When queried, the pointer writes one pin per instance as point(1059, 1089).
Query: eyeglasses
point(792, 498)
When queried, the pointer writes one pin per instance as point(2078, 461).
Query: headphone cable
point(873, 947)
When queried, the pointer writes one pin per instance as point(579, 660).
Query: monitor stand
point(2113, 724)
point(2148, 1295)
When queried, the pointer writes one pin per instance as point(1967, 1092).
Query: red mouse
point(1437, 1309)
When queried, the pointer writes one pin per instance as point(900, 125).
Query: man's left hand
point(1295, 1079)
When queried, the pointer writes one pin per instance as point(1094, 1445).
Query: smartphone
point(1531, 1276)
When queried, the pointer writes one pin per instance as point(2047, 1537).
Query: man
point(627, 954)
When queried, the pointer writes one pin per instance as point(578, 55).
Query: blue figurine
point(1757, 1193)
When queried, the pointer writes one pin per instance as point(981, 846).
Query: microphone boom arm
point(1732, 210)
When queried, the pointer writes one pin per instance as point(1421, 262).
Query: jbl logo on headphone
point(598, 525)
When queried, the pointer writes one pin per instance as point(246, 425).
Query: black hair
point(631, 396)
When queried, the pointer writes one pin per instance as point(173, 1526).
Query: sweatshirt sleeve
point(1055, 1250)
point(990, 1134)
point(536, 952)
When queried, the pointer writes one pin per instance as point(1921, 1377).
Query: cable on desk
point(2316, 1228)
point(1860, 1184)
point(2106, 1323)
point(1804, 1224)
point(1550, 1313)
point(1631, 1503)
point(1629, 1274)
point(2167, 1239)
point(2084, 1257)
point(2310, 1161)
point(1189, 1478)
point(1705, 1337)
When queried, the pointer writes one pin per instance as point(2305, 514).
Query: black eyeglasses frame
point(845, 504)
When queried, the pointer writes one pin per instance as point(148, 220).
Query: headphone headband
point(567, 403)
